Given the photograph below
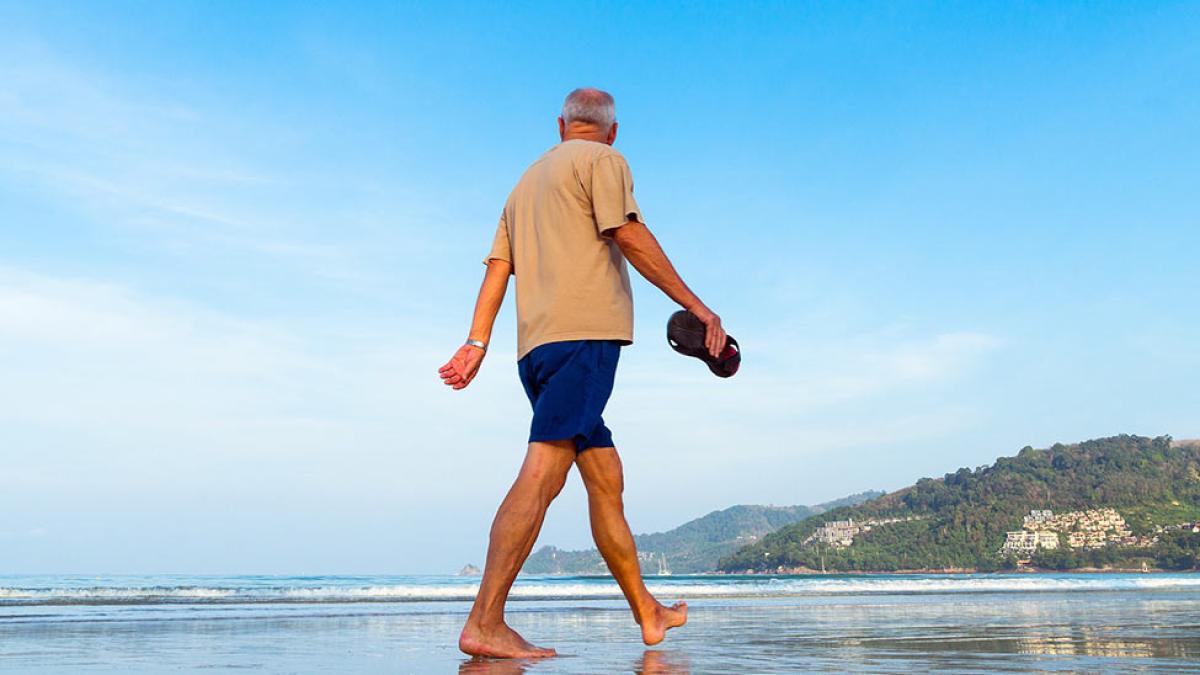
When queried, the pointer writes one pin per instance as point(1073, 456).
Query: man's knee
point(546, 467)
point(554, 485)
point(547, 482)
point(608, 484)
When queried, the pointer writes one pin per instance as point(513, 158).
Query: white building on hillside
point(1023, 543)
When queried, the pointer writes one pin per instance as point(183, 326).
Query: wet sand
point(1129, 631)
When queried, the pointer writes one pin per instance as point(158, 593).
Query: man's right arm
point(461, 369)
point(642, 250)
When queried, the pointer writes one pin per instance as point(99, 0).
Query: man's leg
point(514, 532)
point(603, 478)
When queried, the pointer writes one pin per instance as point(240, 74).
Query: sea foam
point(351, 590)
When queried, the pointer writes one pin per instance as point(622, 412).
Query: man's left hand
point(462, 367)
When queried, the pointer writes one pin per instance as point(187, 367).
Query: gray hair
point(591, 106)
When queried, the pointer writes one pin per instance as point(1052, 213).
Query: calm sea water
point(785, 624)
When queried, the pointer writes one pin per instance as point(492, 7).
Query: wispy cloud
point(106, 381)
point(180, 176)
point(94, 351)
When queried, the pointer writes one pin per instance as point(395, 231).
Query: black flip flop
point(686, 333)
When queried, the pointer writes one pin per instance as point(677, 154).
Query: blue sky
point(236, 241)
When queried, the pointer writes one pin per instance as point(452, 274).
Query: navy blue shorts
point(568, 384)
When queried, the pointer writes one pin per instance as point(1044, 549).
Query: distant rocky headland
point(1118, 503)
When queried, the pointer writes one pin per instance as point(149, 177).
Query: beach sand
point(1146, 631)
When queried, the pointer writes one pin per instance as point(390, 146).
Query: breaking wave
point(230, 590)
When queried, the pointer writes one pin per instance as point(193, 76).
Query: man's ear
point(612, 133)
point(562, 128)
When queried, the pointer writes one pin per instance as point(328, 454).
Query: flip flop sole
point(686, 334)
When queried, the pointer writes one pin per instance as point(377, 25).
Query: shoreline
point(789, 571)
point(958, 570)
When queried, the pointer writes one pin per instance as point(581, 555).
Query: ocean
point(738, 624)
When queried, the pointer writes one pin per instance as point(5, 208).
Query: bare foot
point(662, 619)
point(500, 642)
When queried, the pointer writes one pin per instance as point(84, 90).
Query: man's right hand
point(462, 367)
point(714, 334)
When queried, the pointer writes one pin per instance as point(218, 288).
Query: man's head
point(589, 114)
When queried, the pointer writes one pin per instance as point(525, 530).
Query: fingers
point(461, 369)
point(465, 378)
point(714, 337)
point(453, 376)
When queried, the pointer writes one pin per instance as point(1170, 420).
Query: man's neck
point(577, 131)
point(594, 137)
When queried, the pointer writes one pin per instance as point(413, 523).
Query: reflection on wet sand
point(652, 662)
point(1089, 643)
point(482, 666)
point(1076, 644)
point(656, 662)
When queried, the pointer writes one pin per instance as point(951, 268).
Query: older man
point(565, 233)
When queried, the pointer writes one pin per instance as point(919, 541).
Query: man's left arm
point(461, 369)
point(642, 250)
point(618, 216)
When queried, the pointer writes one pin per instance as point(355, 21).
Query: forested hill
point(960, 519)
point(692, 547)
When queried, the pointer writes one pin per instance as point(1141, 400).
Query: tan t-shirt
point(572, 283)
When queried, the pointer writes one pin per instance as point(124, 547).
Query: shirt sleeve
point(501, 244)
point(612, 194)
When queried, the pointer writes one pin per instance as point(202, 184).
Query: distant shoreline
point(945, 571)
point(965, 570)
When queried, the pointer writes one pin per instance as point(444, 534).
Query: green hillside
point(695, 546)
point(960, 520)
